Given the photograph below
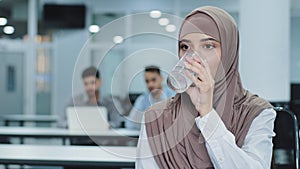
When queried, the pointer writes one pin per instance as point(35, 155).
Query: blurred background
point(46, 44)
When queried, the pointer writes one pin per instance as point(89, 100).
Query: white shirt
point(255, 153)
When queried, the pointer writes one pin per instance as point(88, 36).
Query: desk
point(84, 156)
point(64, 134)
point(21, 118)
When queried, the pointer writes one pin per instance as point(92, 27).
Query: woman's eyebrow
point(208, 39)
point(185, 40)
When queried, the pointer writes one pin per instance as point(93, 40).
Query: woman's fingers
point(205, 64)
point(199, 60)
point(202, 78)
point(199, 73)
point(197, 68)
point(195, 80)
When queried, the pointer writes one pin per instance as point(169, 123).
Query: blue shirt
point(141, 104)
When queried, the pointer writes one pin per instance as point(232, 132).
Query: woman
point(215, 123)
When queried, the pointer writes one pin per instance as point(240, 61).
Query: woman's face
point(206, 46)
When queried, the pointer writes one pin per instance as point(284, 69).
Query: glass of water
point(177, 79)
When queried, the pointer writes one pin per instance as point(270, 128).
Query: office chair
point(133, 97)
point(286, 141)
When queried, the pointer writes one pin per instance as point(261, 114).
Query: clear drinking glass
point(177, 79)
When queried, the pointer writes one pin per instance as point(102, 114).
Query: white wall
point(66, 48)
point(265, 48)
point(295, 50)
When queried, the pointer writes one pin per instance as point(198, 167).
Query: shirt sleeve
point(136, 113)
point(256, 151)
point(145, 157)
point(115, 110)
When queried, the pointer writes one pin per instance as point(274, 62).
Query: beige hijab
point(174, 139)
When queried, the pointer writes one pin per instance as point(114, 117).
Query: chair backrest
point(286, 141)
point(133, 97)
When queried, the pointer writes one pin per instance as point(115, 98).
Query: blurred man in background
point(156, 92)
point(92, 82)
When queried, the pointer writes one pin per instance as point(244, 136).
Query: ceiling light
point(155, 14)
point(118, 39)
point(3, 21)
point(170, 28)
point(8, 30)
point(163, 21)
point(94, 28)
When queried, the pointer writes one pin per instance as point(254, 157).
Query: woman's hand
point(202, 93)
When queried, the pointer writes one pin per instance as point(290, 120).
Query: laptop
point(87, 119)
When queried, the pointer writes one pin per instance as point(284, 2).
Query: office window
point(43, 81)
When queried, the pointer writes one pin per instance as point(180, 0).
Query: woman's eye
point(209, 46)
point(184, 47)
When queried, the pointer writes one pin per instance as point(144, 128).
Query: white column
point(265, 43)
point(30, 60)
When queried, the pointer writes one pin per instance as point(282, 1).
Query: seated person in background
point(155, 93)
point(92, 83)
